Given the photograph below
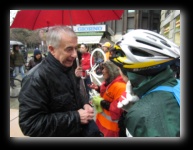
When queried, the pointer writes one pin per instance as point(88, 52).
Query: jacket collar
point(55, 63)
point(141, 84)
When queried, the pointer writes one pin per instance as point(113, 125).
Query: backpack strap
point(174, 90)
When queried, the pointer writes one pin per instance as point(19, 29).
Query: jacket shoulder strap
point(175, 90)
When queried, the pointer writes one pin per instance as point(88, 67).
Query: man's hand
point(86, 115)
point(78, 71)
point(88, 108)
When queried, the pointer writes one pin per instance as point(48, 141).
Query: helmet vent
point(165, 43)
point(140, 52)
point(148, 44)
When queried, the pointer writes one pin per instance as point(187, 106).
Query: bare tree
point(28, 37)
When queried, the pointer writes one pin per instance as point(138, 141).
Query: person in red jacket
point(85, 64)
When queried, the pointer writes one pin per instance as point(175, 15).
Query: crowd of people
point(20, 64)
point(52, 103)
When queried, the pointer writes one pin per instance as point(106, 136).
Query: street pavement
point(14, 112)
point(15, 130)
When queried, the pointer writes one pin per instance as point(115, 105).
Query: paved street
point(14, 112)
point(14, 126)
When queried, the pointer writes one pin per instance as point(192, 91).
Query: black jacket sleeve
point(105, 104)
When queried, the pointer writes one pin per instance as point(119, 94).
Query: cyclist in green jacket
point(145, 58)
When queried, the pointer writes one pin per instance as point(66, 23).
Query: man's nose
point(74, 53)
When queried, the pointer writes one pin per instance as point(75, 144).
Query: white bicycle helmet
point(144, 52)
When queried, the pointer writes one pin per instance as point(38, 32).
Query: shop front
point(92, 34)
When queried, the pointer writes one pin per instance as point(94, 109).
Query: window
point(145, 11)
point(131, 11)
point(155, 25)
point(157, 11)
point(167, 30)
point(177, 31)
point(119, 26)
point(177, 38)
point(167, 13)
point(144, 23)
point(130, 23)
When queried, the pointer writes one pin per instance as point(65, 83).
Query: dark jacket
point(33, 62)
point(157, 114)
point(12, 61)
point(49, 100)
point(17, 58)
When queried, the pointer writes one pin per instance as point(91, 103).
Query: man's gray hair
point(55, 33)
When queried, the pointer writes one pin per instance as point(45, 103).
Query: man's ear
point(51, 50)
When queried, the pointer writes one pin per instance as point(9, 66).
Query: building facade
point(135, 19)
point(165, 22)
point(112, 31)
point(170, 25)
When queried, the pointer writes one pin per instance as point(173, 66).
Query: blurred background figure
point(18, 61)
point(85, 64)
point(106, 48)
point(176, 68)
point(36, 59)
point(11, 69)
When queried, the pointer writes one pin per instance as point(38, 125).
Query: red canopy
point(35, 19)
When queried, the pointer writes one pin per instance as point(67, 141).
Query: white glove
point(127, 97)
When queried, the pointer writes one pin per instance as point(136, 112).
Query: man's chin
point(69, 64)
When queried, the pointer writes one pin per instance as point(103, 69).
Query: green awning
point(89, 33)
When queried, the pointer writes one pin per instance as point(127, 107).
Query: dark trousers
point(87, 81)
point(11, 78)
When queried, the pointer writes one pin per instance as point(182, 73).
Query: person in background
point(24, 52)
point(36, 59)
point(176, 68)
point(78, 73)
point(12, 70)
point(98, 56)
point(19, 61)
point(106, 48)
point(145, 58)
point(108, 113)
point(50, 104)
point(85, 64)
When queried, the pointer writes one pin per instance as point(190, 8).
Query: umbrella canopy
point(15, 43)
point(35, 19)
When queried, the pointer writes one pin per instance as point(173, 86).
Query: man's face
point(66, 53)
